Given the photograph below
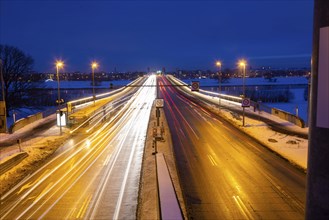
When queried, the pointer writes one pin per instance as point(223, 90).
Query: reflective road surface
point(224, 173)
point(94, 176)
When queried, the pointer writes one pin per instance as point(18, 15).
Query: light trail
point(41, 198)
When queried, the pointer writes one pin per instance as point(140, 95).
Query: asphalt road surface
point(224, 173)
point(94, 176)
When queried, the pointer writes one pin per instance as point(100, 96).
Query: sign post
point(61, 118)
point(158, 104)
point(245, 103)
point(195, 86)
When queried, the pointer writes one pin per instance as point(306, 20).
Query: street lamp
point(94, 66)
point(219, 65)
point(243, 64)
point(59, 65)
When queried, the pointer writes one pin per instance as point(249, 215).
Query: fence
point(25, 121)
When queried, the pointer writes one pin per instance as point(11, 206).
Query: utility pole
point(317, 193)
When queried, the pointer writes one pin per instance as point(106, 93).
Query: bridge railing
point(256, 105)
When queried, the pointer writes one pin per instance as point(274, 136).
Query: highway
point(94, 175)
point(224, 173)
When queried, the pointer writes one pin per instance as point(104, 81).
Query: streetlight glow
point(59, 65)
point(94, 65)
point(242, 63)
point(219, 65)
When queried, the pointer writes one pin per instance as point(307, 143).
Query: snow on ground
point(297, 106)
point(23, 113)
point(4, 137)
point(52, 84)
point(289, 147)
point(292, 148)
point(251, 81)
point(38, 149)
point(297, 101)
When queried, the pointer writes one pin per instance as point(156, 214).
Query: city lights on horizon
point(95, 65)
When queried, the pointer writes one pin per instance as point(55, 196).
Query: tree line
point(15, 86)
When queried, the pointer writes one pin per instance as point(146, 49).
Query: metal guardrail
point(32, 118)
point(256, 105)
point(71, 105)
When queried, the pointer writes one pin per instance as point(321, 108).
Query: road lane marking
point(84, 206)
point(139, 132)
point(212, 160)
point(28, 185)
point(221, 123)
point(242, 207)
point(55, 184)
point(204, 111)
point(44, 191)
point(70, 186)
point(133, 119)
point(107, 160)
point(198, 112)
point(182, 117)
point(40, 179)
point(48, 174)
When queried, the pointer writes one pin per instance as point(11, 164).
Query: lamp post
point(94, 66)
point(219, 65)
point(243, 64)
point(59, 64)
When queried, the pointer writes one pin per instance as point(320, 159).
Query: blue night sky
point(134, 35)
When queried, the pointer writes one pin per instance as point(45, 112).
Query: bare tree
point(15, 68)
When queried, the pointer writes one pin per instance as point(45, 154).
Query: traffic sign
point(245, 102)
point(195, 86)
point(159, 103)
